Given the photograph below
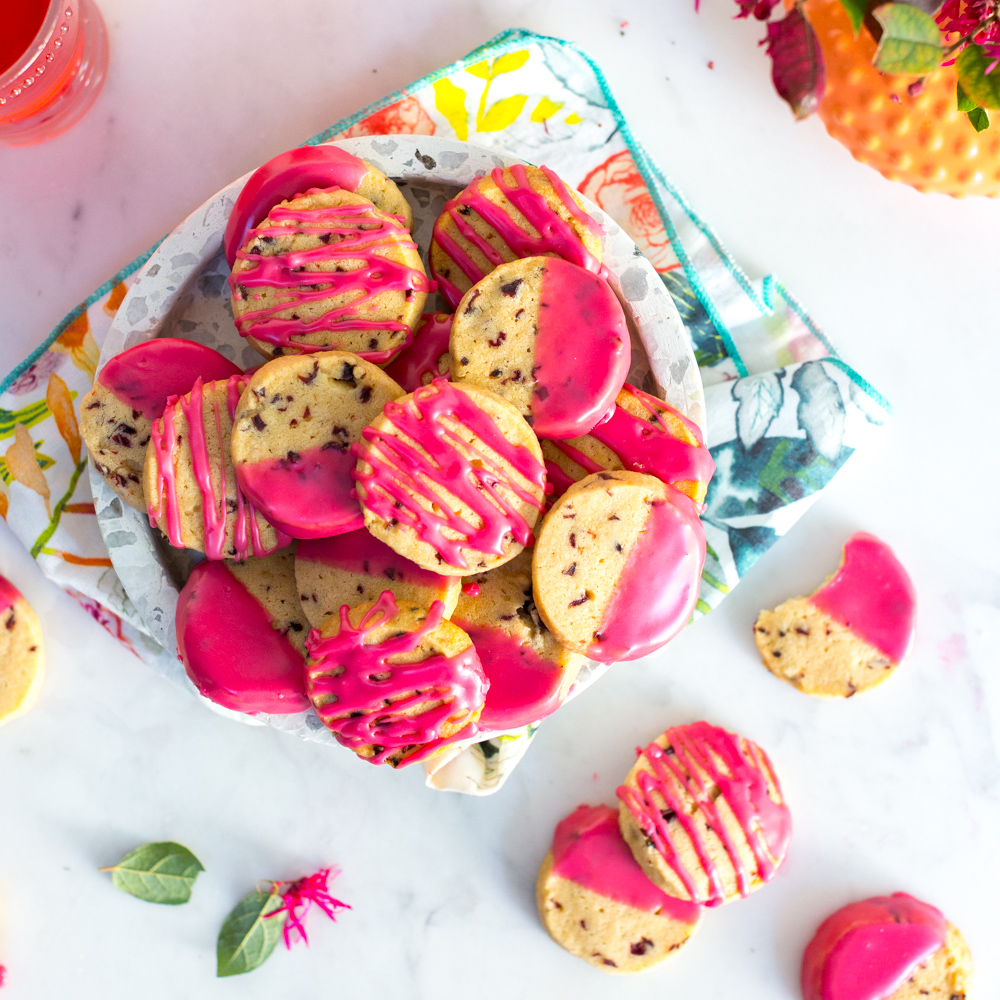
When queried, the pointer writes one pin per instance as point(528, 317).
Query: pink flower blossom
point(298, 898)
point(979, 19)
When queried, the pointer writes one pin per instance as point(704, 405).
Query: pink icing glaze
point(395, 487)
point(246, 531)
point(306, 494)
point(230, 648)
point(145, 375)
point(740, 770)
point(588, 848)
point(867, 950)
point(374, 692)
point(361, 552)
point(658, 587)
point(553, 234)
point(524, 687)
point(871, 594)
point(361, 230)
point(421, 358)
point(281, 178)
point(9, 594)
point(582, 351)
point(470, 589)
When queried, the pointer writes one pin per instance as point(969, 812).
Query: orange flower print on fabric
point(406, 117)
point(78, 342)
point(115, 298)
point(617, 187)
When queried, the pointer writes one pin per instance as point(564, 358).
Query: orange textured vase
point(923, 141)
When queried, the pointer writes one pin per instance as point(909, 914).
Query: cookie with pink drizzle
point(328, 271)
point(22, 656)
point(547, 335)
point(703, 813)
point(850, 634)
point(189, 482)
point(451, 477)
point(241, 634)
point(886, 948)
point(596, 902)
point(292, 433)
point(617, 564)
point(428, 357)
point(130, 392)
point(355, 568)
point(642, 434)
point(395, 683)
point(519, 211)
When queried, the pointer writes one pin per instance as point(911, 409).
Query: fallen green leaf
point(911, 40)
point(158, 873)
point(248, 937)
point(981, 87)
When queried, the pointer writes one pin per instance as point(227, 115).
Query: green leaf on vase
point(911, 40)
point(856, 10)
point(980, 86)
point(980, 119)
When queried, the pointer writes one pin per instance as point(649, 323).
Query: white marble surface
point(894, 790)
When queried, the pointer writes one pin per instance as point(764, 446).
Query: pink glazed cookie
point(428, 357)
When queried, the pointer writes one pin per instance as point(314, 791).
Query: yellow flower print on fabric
point(77, 341)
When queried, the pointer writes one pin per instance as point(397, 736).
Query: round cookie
point(887, 947)
point(191, 491)
point(129, 393)
point(617, 564)
point(548, 336)
point(451, 477)
point(641, 434)
point(355, 568)
point(369, 286)
point(241, 634)
point(595, 901)
point(395, 683)
point(22, 657)
point(296, 170)
point(851, 633)
point(519, 211)
point(292, 432)
point(530, 673)
point(428, 357)
point(703, 814)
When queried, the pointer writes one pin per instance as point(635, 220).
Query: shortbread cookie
point(395, 683)
point(292, 433)
point(241, 634)
point(530, 673)
point(451, 477)
point(703, 813)
point(22, 657)
point(191, 491)
point(328, 271)
point(617, 564)
point(595, 901)
point(887, 948)
point(519, 211)
point(298, 170)
point(428, 357)
point(130, 392)
point(355, 568)
point(851, 633)
point(548, 336)
point(641, 434)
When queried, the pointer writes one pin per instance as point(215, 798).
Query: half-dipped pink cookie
point(241, 634)
point(191, 490)
point(354, 568)
point(548, 336)
point(130, 392)
point(703, 814)
point(886, 948)
point(428, 357)
point(617, 565)
point(395, 683)
point(513, 212)
point(850, 634)
point(596, 902)
point(641, 434)
point(22, 657)
point(530, 673)
point(292, 433)
point(451, 477)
